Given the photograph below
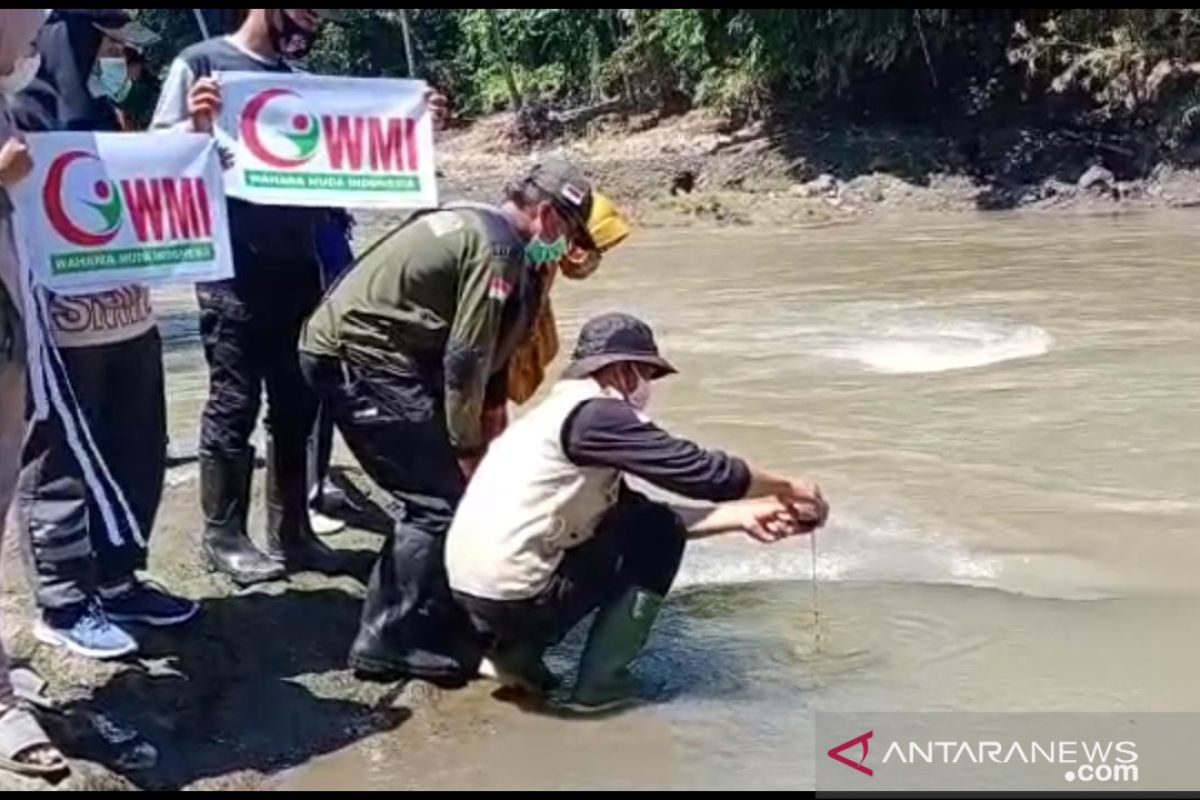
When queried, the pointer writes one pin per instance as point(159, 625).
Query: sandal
point(30, 687)
point(22, 740)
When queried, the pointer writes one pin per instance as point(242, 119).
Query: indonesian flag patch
point(499, 288)
point(573, 193)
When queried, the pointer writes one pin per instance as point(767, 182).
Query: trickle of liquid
point(816, 606)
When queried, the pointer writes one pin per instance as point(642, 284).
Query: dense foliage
point(1130, 65)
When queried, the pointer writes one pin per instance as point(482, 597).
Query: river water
point(1005, 414)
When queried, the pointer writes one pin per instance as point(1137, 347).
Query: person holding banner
point(24, 747)
point(103, 353)
point(250, 324)
point(410, 351)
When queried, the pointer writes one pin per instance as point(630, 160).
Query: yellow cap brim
point(606, 225)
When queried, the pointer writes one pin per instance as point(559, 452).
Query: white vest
point(528, 503)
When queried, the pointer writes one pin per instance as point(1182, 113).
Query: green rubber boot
point(617, 636)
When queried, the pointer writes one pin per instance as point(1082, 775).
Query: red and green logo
point(137, 221)
point(104, 201)
point(301, 130)
point(295, 149)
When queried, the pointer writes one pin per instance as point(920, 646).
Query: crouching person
point(548, 531)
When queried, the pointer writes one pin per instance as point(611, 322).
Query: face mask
point(639, 398)
point(539, 252)
point(23, 72)
point(110, 79)
point(292, 40)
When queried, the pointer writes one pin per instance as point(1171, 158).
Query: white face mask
point(23, 72)
point(639, 398)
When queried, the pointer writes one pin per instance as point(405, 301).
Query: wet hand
point(770, 519)
point(203, 104)
point(806, 499)
point(15, 162)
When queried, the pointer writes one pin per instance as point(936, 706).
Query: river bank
point(694, 168)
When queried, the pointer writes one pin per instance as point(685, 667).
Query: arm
point(766, 520)
point(171, 111)
point(468, 358)
point(495, 405)
point(15, 162)
point(188, 103)
point(801, 491)
point(607, 432)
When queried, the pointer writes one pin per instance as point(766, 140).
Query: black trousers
point(69, 550)
point(250, 328)
point(639, 543)
point(320, 449)
point(395, 425)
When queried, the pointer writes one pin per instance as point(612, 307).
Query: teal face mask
point(110, 79)
point(540, 252)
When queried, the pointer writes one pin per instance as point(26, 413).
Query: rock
point(822, 184)
point(721, 142)
point(1096, 176)
point(414, 694)
point(683, 182)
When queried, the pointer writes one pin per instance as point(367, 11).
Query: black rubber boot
point(410, 626)
point(519, 667)
point(332, 501)
point(225, 498)
point(290, 538)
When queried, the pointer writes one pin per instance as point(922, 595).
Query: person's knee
point(225, 434)
point(655, 538)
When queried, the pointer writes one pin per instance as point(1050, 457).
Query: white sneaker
point(323, 525)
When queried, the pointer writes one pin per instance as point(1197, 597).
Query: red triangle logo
point(836, 752)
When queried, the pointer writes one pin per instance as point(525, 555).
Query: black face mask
point(291, 40)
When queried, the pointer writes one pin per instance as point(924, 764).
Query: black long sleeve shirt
point(608, 432)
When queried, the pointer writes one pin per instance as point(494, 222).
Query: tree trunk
point(408, 46)
point(502, 53)
point(626, 84)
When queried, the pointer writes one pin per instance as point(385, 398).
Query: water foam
point(889, 550)
point(850, 550)
point(916, 348)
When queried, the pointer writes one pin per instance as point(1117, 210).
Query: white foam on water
point(942, 346)
point(849, 550)
point(889, 550)
point(1165, 506)
point(882, 337)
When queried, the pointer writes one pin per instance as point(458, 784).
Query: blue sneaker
point(92, 635)
point(147, 603)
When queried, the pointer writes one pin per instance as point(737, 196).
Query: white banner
point(104, 209)
point(308, 140)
